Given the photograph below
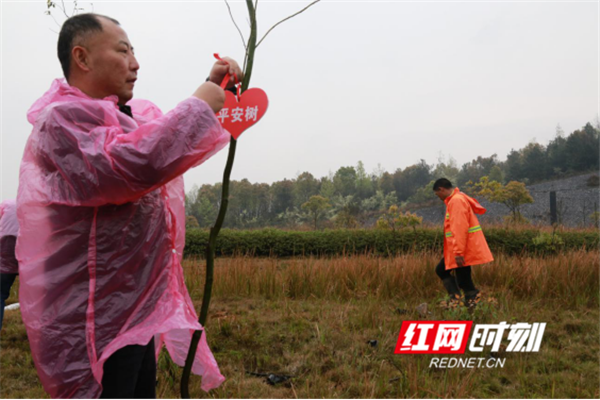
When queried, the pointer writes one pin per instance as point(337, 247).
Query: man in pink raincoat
point(102, 224)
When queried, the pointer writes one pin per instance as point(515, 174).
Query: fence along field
point(310, 318)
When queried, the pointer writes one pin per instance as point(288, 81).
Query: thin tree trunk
point(214, 231)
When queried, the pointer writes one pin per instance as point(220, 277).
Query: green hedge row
point(278, 243)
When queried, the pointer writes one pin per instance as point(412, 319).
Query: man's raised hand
point(223, 67)
point(212, 94)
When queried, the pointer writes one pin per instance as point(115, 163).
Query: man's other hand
point(221, 68)
point(460, 261)
point(212, 94)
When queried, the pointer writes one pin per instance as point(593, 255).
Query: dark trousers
point(6, 281)
point(462, 276)
point(130, 373)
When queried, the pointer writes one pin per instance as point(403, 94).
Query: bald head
point(75, 32)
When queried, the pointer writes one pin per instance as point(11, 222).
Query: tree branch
point(55, 21)
point(285, 19)
point(63, 8)
point(236, 25)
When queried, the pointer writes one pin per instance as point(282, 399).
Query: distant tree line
point(351, 197)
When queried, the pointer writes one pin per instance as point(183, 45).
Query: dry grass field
point(312, 318)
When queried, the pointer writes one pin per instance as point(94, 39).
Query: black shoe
point(472, 298)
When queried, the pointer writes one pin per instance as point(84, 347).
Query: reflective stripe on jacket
point(462, 233)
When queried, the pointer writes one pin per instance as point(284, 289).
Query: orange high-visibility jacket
point(462, 233)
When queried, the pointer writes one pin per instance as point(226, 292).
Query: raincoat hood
point(102, 230)
point(475, 206)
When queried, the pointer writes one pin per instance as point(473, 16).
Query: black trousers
point(130, 373)
point(462, 276)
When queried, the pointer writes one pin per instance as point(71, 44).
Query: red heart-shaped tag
point(236, 116)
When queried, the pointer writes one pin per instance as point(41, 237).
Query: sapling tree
point(250, 47)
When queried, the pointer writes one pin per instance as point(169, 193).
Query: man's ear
point(80, 57)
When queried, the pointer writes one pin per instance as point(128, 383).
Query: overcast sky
point(387, 83)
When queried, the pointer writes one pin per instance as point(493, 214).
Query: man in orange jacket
point(464, 242)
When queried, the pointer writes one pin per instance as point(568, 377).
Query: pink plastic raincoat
point(101, 212)
point(9, 226)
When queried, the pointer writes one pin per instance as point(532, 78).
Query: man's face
point(443, 193)
point(113, 66)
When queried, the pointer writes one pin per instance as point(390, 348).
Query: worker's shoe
point(472, 298)
point(454, 301)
